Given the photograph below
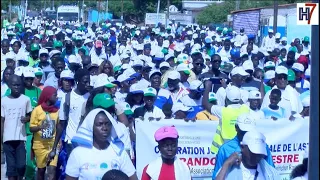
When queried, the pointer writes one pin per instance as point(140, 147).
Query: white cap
point(139, 47)
point(178, 106)
point(28, 72)
point(255, 141)
point(136, 88)
point(54, 52)
point(125, 66)
point(281, 70)
point(239, 70)
point(73, 59)
point(166, 43)
point(19, 70)
point(246, 122)
point(195, 51)
point(254, 94)
point(233, 93)
point(37, 36)
point(43, 51)
point(87, 41)
point(306, 101)
point(178, 48)
point(124, 56)
point(154, 72)
point(21, 57)
point(278, 35)
point(196, 85)
point(194, 36)
point(189, 32)
point(137, 62)
point(248, 65)
point(174, 75)
point(182, 57)
point(13, 41)
point(164, 64)
point(183, 67)
point(284, 39)
point(122, 77)
point(150, 92)
point(186, 42)
point(269, 64)
point(159, 55)
point(67, 74)
point(269, 74)
point(101, 80)
point(168, 56)
point(270, 31)
point(298, 67)
point(237, 44)
point(308, 73)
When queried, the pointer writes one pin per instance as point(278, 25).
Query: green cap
point(306, 39)
point(57, 44)
point(187, 72)
point(110, 85)
point(127, 109)
point(117, 68)
point(212, 97)
point(220, 29)
point(35, 47)
point(150, 92)
point(291, 75)
point(227, 67)
point(104, 100)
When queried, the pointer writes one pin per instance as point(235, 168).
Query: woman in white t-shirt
point(100, 149)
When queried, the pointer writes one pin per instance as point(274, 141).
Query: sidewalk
point(3, 172)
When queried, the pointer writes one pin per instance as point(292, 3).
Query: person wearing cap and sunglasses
point(167, 166)
point(234, 108)
point(173, 83)
point(34, 55)
point(289, 96)
point(250, 162)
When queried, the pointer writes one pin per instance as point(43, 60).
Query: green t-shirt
point(33, 94)
point(267, 88)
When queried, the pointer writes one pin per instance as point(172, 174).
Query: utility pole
point(52, 4)
point(168, 5)
point(10, 8)
point(237, 5)
point(121, 9)
point(107, 6)
point(313, 171)
point(275, 15)
point(158, 9)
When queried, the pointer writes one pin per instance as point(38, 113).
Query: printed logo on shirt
point(34, 100)
point(103, 166)
point(88, 166)
point(114, 164)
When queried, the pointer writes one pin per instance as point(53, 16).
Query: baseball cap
point(38, 71)
point(306, 39)
point(247, 65)
point(174, 75)
point(153, 72)
point(298, 67)
point(57, 44)
point(226, 67)
point(178, 106)
point(291, 75)
point(135, 89)
point(28, 72)
point(195, 51)
point(124, 56)
point(127, 109)
point(123, 77)
point(182, 57)
point(278, 35)
point(73, 59)
point(137, 62)
point(87, 41)
point(35, 47)
point(150, 92)
point(164, 64)
point(166, 132)
point(159, 56)
point(233, 93)
point(208, 40)
point(255, 141)
point(196, 85)
point(239, 70)
point(67, 74)
point(246, 122)
point(54, 52)
point(281, 70)
point(254, 94)
point(43, 51)
point(212, 96)
point(270, 31)
point(19, 70)
point(269, 64)
point(168, 56)
point(183, 67)
point(103, 99)
point(98, 44)
point(269, 75)
point(308, 72)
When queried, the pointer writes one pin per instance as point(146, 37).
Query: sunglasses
point(199, 64)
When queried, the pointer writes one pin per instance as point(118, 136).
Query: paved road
point(3, 172)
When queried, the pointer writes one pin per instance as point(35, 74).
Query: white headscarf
point(84, 135)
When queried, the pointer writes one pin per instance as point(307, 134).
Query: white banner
point(154, 18)
point(287, 141)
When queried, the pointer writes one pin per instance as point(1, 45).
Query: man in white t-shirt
point(71, 121)
point(254, 104)
point(15, 112)
point(249, 163)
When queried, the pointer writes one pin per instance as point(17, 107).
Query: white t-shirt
point(257, 114)
point(249, 174)
point(76, 104)
point(91, 163)
point(12, 109)
point(156, 113)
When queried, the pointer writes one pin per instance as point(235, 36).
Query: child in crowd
point(274, 111)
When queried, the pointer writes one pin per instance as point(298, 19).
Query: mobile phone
point(215, 80)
